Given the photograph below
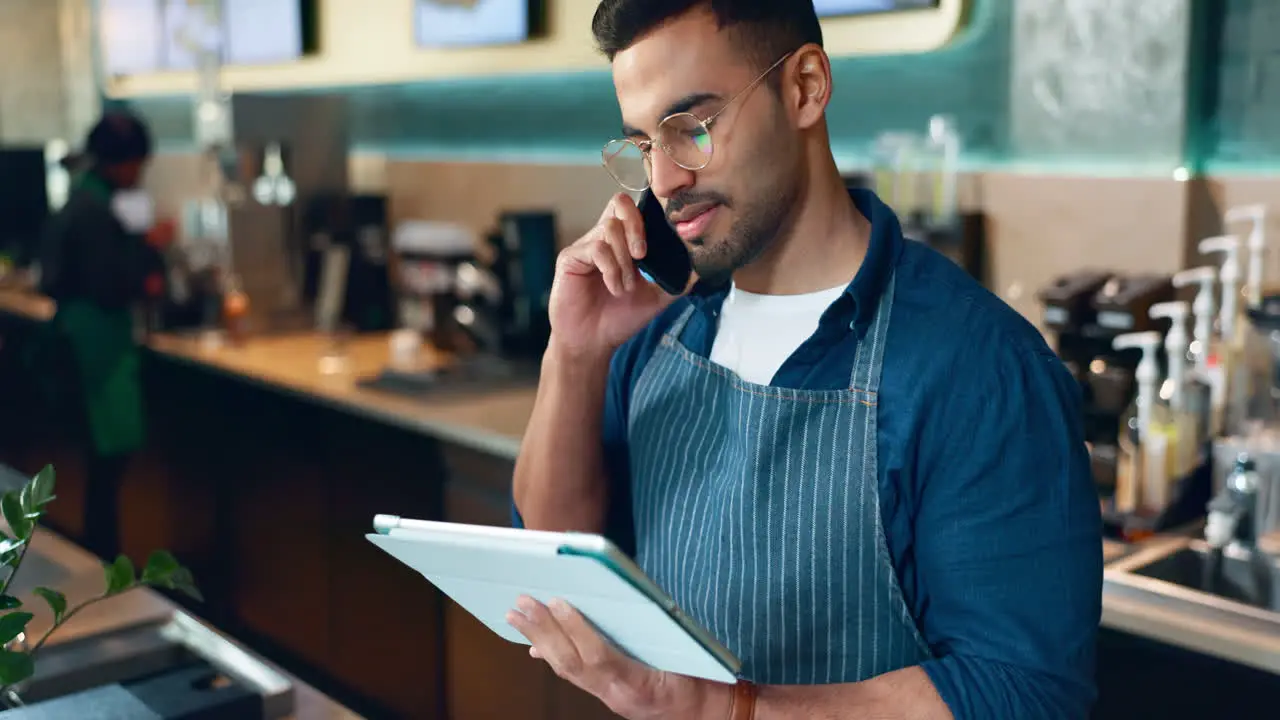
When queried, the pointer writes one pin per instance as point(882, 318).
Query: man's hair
point(764, 29)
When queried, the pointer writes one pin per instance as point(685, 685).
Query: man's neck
point(823, 246)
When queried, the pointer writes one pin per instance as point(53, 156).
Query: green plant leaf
point(160, 568)
point(163, 570)
point(15, 667)
point(9, 602)
point(183, 582)
point(11, 624)
point(39, 491)
point(120, 575)
point(57, 602)
point(19, 523)
point(10, 545)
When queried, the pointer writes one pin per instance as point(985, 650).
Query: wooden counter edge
point(399, 412)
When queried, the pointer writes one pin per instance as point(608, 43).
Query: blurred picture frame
point(477, 23)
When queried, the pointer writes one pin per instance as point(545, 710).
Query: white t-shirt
point(758, 333)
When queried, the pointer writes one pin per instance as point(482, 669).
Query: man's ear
point(807, 85)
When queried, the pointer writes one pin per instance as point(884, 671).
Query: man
point(838, 453)
point(101, 255)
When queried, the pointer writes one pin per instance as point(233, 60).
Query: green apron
point(108, 361)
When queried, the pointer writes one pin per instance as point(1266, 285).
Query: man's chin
point(712, 273)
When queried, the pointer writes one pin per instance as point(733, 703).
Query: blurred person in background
point(100, 257)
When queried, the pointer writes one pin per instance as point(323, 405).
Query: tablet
point(485, 569)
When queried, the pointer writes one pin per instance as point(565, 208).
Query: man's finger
point(612, 676)
point(594, 650)
point(536, 623)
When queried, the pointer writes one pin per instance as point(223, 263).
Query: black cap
point(118, 137)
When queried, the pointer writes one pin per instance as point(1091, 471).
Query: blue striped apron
point(756, 508)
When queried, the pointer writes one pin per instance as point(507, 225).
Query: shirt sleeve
point(1008, 540)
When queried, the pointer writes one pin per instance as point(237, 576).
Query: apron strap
point(867, 360)
point(677, 327)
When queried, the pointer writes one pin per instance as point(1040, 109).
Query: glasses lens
point(686, 140)
point(626, 163)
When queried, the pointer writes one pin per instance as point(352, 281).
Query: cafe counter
point(264, 467)
point(266, 464)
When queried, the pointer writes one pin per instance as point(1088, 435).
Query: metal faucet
point(1233, 521)
point(1233, 513)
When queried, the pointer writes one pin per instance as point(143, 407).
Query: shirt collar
point(883, 250)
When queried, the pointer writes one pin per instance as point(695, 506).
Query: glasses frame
point(646, 146)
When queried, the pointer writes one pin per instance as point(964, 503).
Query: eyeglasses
point(684, 137)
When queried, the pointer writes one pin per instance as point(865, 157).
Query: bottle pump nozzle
point(1147, 373)
point(1229, 275)
point(1175, 345)
point(1257, 243)
point(1202, 308)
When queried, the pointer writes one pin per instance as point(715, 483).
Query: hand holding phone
point(600, 297)
point(666, 261)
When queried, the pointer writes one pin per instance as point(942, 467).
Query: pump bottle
point(1199, 390)
point(1227, 344)
point(1256, 215)
point(1142, 477)
point(1180, 421)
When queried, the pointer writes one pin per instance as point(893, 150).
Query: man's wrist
point(574, 358)
point(715, 700)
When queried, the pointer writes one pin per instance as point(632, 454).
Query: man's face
point(730, 211)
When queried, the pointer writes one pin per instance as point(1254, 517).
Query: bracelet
point(743, 706)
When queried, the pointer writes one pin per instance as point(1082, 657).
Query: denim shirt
point(986, 494)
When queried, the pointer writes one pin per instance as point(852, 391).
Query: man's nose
point(666, 178)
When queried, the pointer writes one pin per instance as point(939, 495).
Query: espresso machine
point(1122, 305)
point(275, 159)
point(1067, 311)
point(524, 263)
point(1085, 311)
point(346, 275)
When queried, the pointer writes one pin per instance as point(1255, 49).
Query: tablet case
point(485, 569)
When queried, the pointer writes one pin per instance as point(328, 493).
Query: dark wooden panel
point(489, 677)
point(268, 498)
point(387, 629)
point(281, 522)
point(479, 470)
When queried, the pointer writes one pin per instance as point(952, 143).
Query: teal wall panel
point(1239, 127)
point(1231, 106)
point(569, 115)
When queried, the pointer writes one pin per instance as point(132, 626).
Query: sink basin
point(1177, 591)
point(1252, 579)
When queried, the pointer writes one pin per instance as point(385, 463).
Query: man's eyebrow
point(684, 104)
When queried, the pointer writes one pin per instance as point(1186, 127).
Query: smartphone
point(666, 261)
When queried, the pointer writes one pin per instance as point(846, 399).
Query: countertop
point(494, 421)
point(489, 421)
point(58, 563)
point(1179, 616)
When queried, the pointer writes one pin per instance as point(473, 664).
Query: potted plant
point(22, 510)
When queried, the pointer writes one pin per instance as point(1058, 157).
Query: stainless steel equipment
point(287, 150)
point(1258, 506)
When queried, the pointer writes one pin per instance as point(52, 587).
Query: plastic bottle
point(1182, 391)
point(1141, 465)
point(1257, 245)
